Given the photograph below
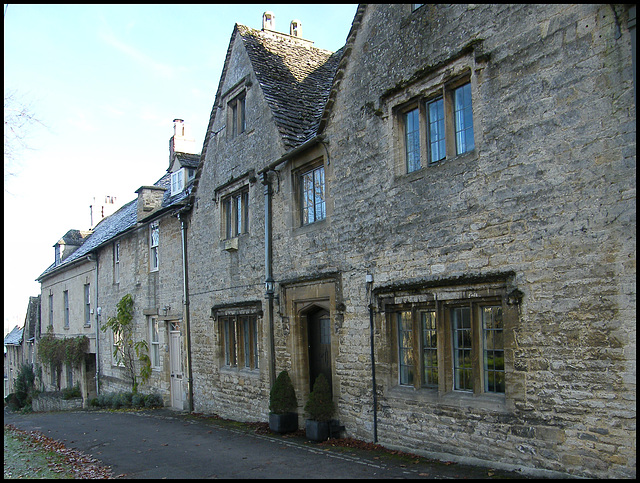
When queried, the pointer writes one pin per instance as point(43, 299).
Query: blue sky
point(105, 83)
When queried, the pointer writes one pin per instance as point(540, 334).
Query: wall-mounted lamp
point(269, 286)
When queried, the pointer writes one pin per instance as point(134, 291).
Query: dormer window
point(177, 182)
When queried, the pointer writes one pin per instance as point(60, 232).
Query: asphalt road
point(165, 444)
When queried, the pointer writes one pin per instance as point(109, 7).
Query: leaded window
point(239, 340)
point(412, 139)
point(437, 141)
point(405, 346)
point(461, 323)
point(313, 200)
point(452, 341)
point(235, 212)
point(493, 348)
point(463, 119)
point(429, 348)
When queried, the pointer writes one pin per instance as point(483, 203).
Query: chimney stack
point(181, 142)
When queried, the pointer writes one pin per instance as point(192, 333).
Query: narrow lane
point(164, 444)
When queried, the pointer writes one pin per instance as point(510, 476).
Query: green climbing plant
point(126, 350)
point(55, 351)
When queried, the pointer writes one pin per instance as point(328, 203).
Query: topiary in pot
point(320, 409)
point(282, 405)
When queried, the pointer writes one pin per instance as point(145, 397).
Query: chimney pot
point(295, 29)
point(178, 127)
point(268, 21)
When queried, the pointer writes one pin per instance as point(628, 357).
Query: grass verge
point(30, 454)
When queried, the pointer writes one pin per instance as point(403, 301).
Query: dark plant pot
point(283, 423)
point(317, 430)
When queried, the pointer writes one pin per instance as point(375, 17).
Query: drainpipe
point(269, 283)
point(373, 359)
point(185, 287)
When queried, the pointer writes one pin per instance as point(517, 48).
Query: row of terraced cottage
point(443, 209)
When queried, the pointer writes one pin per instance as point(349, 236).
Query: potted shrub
point(282, 405)
point(320, 409)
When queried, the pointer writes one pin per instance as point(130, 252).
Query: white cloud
point(139, 57)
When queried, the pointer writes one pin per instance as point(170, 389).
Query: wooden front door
point(319, 332)
point(175, 361)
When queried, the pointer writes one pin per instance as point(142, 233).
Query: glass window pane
point(463, 119)
point(155, 348)
point(254, 334)
point(234, 118)
point(461, 327)
point(412, 140)
point(308, 214)
point(237, 213)
point(241, 101)
point(247, 341)
point(245, 212)
point(227, 211)
point(405, 348)
point(493, 349)
point(313, 196)
point(319, 202)
point(227, 352)
point(436, 130)
point(430, 349)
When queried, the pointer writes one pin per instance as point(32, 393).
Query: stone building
point(443, 210)
point(13, 355)
point(138, 251)
point(19, 344)
point(269, 100)
point(67, 310)
point(141, 255)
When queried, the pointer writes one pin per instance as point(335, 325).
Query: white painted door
point(175, 359)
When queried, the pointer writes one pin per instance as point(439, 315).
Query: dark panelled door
point(319, 326)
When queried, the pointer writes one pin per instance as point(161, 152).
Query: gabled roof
point(122, 220)
point(32, 318)
point(188, 160)
point(14, 337)
point(295, 77)
point(74, 237)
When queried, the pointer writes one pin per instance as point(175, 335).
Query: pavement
point(162, 443)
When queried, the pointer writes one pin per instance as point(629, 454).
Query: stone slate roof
point(74, 237)
point(188, 160)
point(295, 77)
point(119, 222)
point(14, 337)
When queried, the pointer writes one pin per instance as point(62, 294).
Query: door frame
point(171, 334)
point(298, 301)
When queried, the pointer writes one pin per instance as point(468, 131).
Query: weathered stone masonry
point(532, 226)
point(548, 195)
